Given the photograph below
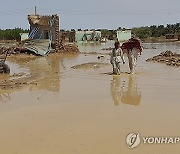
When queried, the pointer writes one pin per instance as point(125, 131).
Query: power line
point(92, 12)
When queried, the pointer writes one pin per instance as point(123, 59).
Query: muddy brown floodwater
point(47, 106)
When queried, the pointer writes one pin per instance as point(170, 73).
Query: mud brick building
point(45, 27)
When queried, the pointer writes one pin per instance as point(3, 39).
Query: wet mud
point(92, 65)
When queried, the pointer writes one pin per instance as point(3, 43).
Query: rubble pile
point(19, 48)
point(10, 50)
point(167, 57)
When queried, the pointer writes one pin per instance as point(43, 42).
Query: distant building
point(170, 36)
point(24, 36)
point(71, 36)
point(88, 36)
point(124, 35)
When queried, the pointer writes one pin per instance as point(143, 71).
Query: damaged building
point(44, 34)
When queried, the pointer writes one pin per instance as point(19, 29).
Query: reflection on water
point(4, 94)
point(46, 71)
point(125, 93)
point(131, 96)
point(95, 47)
point(41, 73)
point(116, 89)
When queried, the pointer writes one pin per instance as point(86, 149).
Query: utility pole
point(35, 10)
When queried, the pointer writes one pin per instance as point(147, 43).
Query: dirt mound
point(92, 65)
point(70, 48)
point(167, 57)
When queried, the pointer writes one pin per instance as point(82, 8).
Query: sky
point(92, 14)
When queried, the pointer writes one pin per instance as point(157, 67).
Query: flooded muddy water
point(85, 111)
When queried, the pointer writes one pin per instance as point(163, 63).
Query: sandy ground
point(47, 106)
